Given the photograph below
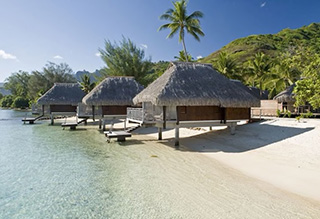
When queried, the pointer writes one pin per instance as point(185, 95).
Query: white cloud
point(263, 4)
point(98, 54)
point(199, 57)
point(58, 57)
point(145, 46)
point(5, 55)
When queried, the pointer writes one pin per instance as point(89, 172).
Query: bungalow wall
point(63, 108)
point(114, 110)
point(197, 113)
point(237, 113)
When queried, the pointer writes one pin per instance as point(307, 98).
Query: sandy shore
point(282, 152)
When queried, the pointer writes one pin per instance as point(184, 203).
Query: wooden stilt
point(52, 119)
point(176, 140)
point(210, 128)
point(233, 128)
point(164, 117)
point(104, 124)
point(93, 118)
point(100, 123)
point(159, 133)
point(125, 124)
point(111, 126)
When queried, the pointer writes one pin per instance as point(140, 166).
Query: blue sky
point(33, 32)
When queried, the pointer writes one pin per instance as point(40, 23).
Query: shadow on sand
point(248, 137)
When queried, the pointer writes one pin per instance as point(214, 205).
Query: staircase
point(131, 129)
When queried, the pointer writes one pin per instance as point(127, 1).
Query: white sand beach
point(282, 152)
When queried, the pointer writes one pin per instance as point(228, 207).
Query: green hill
point(243, 49)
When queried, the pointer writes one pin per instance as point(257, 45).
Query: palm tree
point(183, 58)
point(181, 22)
point(226, 65)
point(260, 67)
point(86, 84)
point(282, 76)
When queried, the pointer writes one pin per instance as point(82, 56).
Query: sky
point(35, 32)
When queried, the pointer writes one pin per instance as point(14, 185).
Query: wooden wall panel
point(63, 108)
point(114, 110)
point(237, 113)
point(195, 113)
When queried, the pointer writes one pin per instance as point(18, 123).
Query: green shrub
point(20, 102)
point(1, 96)
point(7, 101)
point(278, 113)
point(289, 114)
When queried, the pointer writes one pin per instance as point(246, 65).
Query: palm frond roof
point(195, 84)
point(113, 91)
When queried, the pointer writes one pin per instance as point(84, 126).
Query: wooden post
point(159, 133)
point(210, 128)
point(93, 113)
point(164, 117)
point(233, 128)
point(125, 124)
point(100, 123)
point(176, 140)
point(104, 124)
point(52, 119)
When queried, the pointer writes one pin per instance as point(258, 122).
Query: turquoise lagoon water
point(48, 172)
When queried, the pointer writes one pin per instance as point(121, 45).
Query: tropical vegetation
point(125, 59)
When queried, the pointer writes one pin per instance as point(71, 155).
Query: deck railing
point(135, 114)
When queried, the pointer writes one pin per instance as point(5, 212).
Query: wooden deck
point(120, 135)
point(31, 120)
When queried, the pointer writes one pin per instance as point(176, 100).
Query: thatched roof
point(62, 94)
point(114, 91)
point(192, 84)
point(252, 90)
point(286, 95)
point(256, 92)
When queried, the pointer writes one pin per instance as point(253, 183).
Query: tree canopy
point(125, 59)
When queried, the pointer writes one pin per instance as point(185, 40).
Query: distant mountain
point(243, 49)
point(93, 75)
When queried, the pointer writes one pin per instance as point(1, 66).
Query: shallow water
point(48, 172)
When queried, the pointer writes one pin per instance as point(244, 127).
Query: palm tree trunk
point(184, 49)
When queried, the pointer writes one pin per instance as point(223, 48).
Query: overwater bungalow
point(61, 100)
point(192, 95)
point(112, 96)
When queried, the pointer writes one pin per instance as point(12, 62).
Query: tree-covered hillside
point(273, 45)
